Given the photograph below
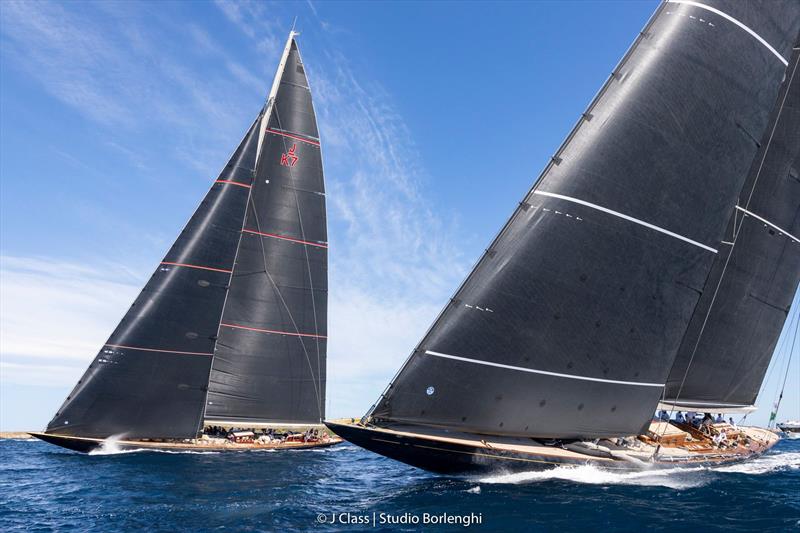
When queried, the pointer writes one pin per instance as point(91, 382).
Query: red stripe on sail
point(275, 331)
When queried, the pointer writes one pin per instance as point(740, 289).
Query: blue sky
point(435, 120)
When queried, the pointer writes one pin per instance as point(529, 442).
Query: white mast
point(274, 91)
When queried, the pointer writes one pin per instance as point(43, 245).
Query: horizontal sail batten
point(704, 407)
point(543, 372)
point(260, 424)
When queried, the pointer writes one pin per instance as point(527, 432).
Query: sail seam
point(543, 372)
point(155, 350)
point(283, 238)
point(737, 22)
point(298, 334)
point(625, 217)
point(767, 222)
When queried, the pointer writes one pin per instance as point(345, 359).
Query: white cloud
point(57, 311)
point(115, 68)
point(62, 376)
point(45, 41)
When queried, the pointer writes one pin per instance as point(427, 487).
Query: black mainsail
point(728, 346)
point(269, 365)
point(569, 324)
point(234, 317)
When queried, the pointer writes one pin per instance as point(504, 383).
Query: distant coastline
point(14, 435)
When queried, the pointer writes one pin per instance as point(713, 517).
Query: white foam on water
point(764, 464)
point(336, 448)
point(178, 452)
point(475, 490)
point(118, 451)
point(110, 446)
point(673, 478)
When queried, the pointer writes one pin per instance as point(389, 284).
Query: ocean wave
point(117, 451)
point(335, 448)
point(111, 446)
point(675, 478)
point(765, 464)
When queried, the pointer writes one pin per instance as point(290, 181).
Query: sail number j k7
point(289, 159)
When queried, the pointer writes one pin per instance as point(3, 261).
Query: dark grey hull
point(440, 456)
point(86, 445)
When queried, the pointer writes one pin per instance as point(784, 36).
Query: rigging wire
point(777, 404)
point(781, 353)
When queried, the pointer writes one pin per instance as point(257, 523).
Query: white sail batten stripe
point(625, 217)
point(768, 223)
point(263, 424)
point(694, 402)
point(738, 23)
point(542, 372)
point(691, 405)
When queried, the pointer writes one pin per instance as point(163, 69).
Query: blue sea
point(44, 488)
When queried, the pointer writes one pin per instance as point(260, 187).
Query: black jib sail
point(568, 325)
point(269, 365)
point(245, 264)
point(728, 346)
